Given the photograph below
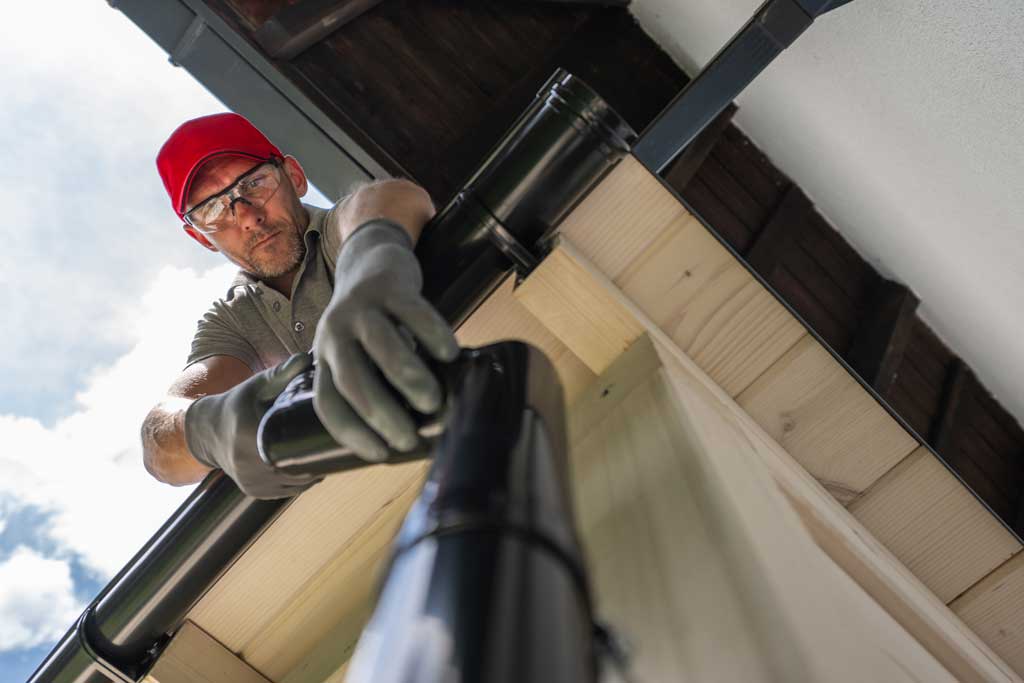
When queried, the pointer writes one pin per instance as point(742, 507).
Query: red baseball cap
point(195, 142)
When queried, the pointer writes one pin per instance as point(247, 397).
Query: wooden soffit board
point(571, 296)
point(675, 274)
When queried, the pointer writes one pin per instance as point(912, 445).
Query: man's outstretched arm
point(399, 201)
point(164, 449)
point(218, 430)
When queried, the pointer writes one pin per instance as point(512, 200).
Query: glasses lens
point(207, 215)
point(258, 187)
point(217, 213)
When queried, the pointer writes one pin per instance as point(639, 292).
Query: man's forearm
point(164, 449)
point(400, 201)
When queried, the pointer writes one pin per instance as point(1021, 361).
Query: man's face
point(265, 241)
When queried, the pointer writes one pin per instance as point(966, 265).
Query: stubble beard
point(279, 258)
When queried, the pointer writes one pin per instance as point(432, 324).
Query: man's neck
point(282, 283)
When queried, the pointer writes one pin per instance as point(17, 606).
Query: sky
point(104, 293)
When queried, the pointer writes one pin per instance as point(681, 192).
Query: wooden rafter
point(194, 657)
point(778, 234)
point(958, 377)
point(879, 345)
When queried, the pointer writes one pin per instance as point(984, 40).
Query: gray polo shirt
point(261, 327)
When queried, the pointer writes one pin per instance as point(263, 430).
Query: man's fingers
point(358, 381)
point(398, 361)
point(278, 377)
point(433, 331)
point(340, 421)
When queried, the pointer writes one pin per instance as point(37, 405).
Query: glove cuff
point(373, 233)
point(195, 432)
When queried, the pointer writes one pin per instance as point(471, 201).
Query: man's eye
point(250, 184)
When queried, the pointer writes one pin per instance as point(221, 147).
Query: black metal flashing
point(299, 26)
point(773, 28)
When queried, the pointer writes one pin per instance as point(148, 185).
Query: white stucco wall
point(903, 120)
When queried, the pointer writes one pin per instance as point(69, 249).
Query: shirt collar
point(313, 231)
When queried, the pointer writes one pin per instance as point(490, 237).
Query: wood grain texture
point(268, 587)
point(681, 276)
point(193, 656)
point(502, 316)
point(926, 517)
point(333, 606)
point(835, 530)
point(636, 503)
point(709, 304)
point(994, 608)
point(621, 217)
point(590, 323)
point(823, 418)
point(667, 474)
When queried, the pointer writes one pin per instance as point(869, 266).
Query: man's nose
point(246, 215)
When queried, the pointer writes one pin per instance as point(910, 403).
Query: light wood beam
point(193, 656)
point(994, 607)
point(812, 406)
point(501, 316)
point(268, 606)
point(639, 235)
point(926, 517)
point(835, 530)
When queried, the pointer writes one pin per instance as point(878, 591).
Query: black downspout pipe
point(554, 154)
point(487, 581)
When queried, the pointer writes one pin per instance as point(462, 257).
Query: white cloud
point(37, 601)
point(87, 469)
point(87, 220)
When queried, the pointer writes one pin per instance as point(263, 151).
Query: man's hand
point(221, 432)
point(376, 294)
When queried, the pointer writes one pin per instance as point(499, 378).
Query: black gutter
point(555, 153)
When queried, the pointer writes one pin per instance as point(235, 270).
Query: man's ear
point(199, 237)
point(295, 173)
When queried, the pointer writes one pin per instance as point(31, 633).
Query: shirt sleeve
point(216, 335)
point(331, 234)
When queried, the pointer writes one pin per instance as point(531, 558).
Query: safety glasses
point(255, 187)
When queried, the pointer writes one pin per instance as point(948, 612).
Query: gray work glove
point(220, 431)
point(361, 336)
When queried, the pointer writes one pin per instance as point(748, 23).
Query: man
point(343, 282)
